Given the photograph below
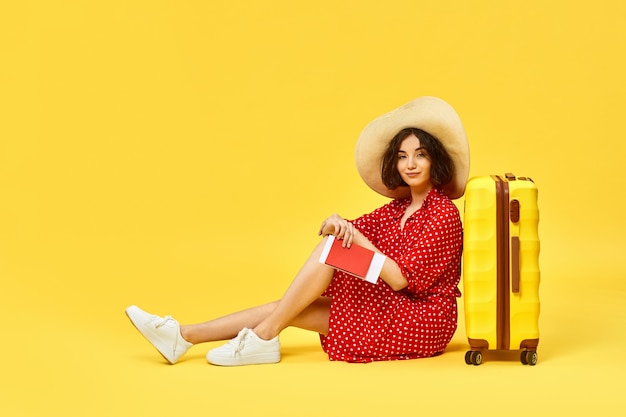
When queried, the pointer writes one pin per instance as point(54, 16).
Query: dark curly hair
point(441, 168)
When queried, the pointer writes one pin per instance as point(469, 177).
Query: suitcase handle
point(515, 264)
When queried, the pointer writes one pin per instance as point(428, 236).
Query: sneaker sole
point(258, 359)
point(156, 342)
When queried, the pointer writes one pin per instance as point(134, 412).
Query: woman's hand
point(340, 228)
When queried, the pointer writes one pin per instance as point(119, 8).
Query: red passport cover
point(355, 259)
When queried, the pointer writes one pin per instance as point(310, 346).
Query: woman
point(417, 155)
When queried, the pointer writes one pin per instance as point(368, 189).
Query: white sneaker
point(162, 332)
point(246, 349)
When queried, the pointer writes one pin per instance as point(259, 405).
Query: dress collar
point(400, 205)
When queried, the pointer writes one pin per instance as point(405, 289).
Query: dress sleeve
point(438, 244)
point(370, 224)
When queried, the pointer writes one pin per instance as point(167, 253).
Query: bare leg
point(314, 317)
point(307, 286)
point(301, 306)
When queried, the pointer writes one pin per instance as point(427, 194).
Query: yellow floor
point(83, 357)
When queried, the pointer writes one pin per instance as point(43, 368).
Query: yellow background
point(181, 156)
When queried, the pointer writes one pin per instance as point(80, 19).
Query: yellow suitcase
point(501, 266)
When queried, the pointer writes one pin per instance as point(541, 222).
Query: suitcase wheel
point(473, 357)
point(529, 357)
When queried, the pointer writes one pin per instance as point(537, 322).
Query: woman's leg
point(314, 317)
point(307, 287)
point(301, 306)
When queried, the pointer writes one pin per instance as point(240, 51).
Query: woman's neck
point(417, 199)
point(419, 195)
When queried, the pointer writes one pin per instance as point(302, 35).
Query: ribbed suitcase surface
point(501, 266)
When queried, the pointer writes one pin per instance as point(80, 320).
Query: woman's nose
point(412, 162)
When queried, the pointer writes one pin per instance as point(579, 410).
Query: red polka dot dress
point(371, 322)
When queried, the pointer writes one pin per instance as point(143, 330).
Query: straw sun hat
point(430, 114)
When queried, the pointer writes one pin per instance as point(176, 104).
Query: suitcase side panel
point(524, 305)
point(480, 263)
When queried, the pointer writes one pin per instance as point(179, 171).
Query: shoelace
point(239, 342)
point(162, 321)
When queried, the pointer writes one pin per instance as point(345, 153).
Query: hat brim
point(430, 114)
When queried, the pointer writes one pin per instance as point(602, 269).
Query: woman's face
point(414, 163)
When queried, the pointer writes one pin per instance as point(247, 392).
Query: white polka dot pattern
point(373, 322)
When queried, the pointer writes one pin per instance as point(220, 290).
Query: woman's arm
point(436, 252)
point(391, 272)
